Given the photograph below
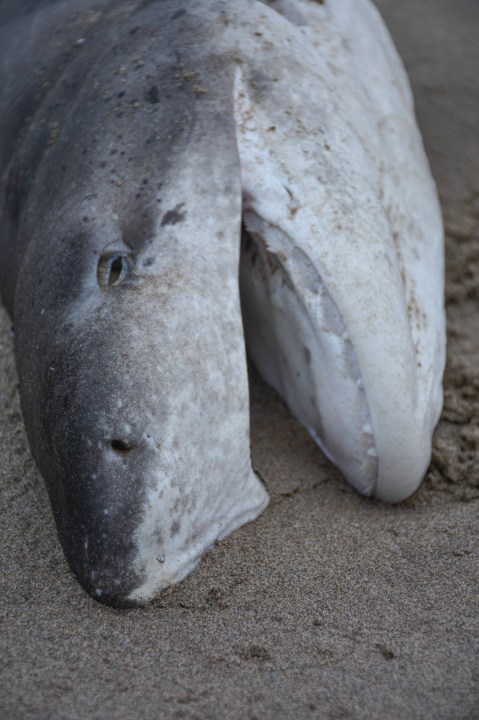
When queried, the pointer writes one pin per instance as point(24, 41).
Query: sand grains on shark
point(136, 151)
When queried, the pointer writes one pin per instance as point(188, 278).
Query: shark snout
point(106, 580)
point(100, 506)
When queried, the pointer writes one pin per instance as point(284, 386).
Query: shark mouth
point(335, 254)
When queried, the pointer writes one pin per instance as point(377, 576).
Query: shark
point(182, 182)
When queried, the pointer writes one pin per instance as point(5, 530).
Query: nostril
point(121, 446)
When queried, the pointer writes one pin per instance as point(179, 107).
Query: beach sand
point(329, 605)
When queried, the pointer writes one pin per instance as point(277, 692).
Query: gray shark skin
point(139, 141)
point(123, 290)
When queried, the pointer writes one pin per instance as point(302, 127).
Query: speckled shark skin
point(120, 250)
point(343, 271)
point(135, 139)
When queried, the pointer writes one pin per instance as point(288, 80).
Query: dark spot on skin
point(152, 96)
point(307, 355)
point(120, 94)
point(175, 528)
point(172, 217)
point(260, 82)
point(178, 14)
point(158, 535)
point(148, 262)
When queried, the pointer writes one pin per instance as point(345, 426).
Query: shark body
point(136, 150)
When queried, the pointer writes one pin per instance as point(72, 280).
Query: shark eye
point(112, 270)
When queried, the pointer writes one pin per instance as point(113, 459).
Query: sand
point(329, 605)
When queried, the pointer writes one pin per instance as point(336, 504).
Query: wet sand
point(329, 605)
